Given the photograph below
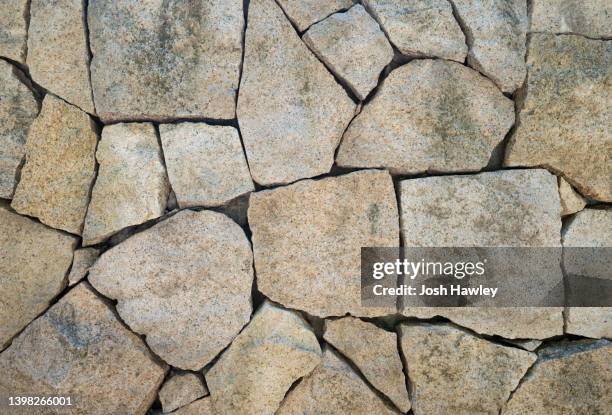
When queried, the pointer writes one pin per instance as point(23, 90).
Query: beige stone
point(181, 389)
point(58, 55)
point(452, 371)
point(18, 108)
point(159, 60)
point(307, 239)
point(421, 27)
point(352, 46)
point(266, 358)
point(60, 166)
point(374, 352)
point(14, 29)
point(34, 261)
point(564, 122)
point(199, 407)
point(591, 18)
point(184, 283)
point(496, 35)
point(291, 111)
point(83, 259)
point(132, 186)
point(304, 13)
point(333, 389)
point(429, 115)
point(526, 344)
point(569, 378)
point(571, 201)
point(206, 164)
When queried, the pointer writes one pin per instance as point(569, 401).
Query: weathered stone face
point(566, 109)
point(571, 201)
point(199, 407)
point(161, 60)
point(83, 259)
point(291, 111)
point(185, 283)
point(78, 348)
point(429, 115)
point(304, 13)
point(583, 17)
point(180, 390)
point(14, 29)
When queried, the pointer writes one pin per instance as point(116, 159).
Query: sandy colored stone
point(571, 201)
point(304, 13)
point(591, 18)
point(83, 259)
point(78, 348)
point(14, 29)
point(496, 34)
point(429, 115)
point(60, 166)
point(454, 372)
point(58, 55)
point(181, 389)
point(526, 344)
point(421, 27)
point(199, 407)
point(564, 123)
point(184, 283)
point(291, 111)
point(132, 186)
point(374, 352)
point(34, 260)
point(161, 60)
point(18, 108)
point(206, 164)
point(333, 388)
point(307, 239)
point(352, 46)
point(570, 378)
point(277, 348)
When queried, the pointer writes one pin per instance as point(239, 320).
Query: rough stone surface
point(333, 388)
point(526, 344)
point(59, 167)
point(78, 348)
point(353, 46)
point(199, 407)
point(161, 61)
point(304, 13)
point(496, 34)
point(454, 372)
point(291, 111)
point(132, 186)
point(266, 358)
point(83, 259)
point(421, 27)
point(374, 352)
point(58, 55)
point(571, 201)
point(206, 164)
point(429, 115)
point(569, 378)
point(18, 108)
point(591, 18)
point(181, 389)
point(14, 29)
point(34, 260)
point(185, 283)
point(564, 121)
point(307, 239)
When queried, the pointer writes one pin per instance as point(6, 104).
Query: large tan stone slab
point(496, 34)
point(571, 201)
point(180, 390)
point(307, 239)
point(564, 122)
point(83, 259)
point(79, 349)
point(291, 111)
point(333, 388)
point(132, 185)
point(452, 371)
point(568, 378)
point(206, 164)
point(374, 352)
point(34, 260)
point(429, 115)
point(18, 108)
point(421, 27)
point(184, 283)
point(60, 166)
point(591, 18)
point(304, 13)
point(161, 60)
point(352, 46)
point(58, 55)
point(266, 358)
point(14, 29)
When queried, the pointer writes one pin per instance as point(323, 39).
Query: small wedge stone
point(83, 259)
point(571, 201)
point(14, 29)
point(591, 18)
point(199, 407)
point(181, 389)
point(304, 13)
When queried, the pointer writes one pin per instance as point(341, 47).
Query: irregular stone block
point(83, 259)
point(582, 17)
point(181, 389)
point(571, 201)
point(14, 29)
point(304, 13)
point(199, 407)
